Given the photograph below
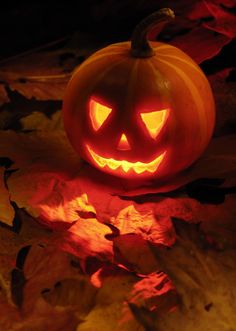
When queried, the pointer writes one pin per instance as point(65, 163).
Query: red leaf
point(201, 44)
point(224, 23)
point(198, 42)
point(154, 292)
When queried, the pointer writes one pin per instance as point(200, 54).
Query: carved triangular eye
point(154, 121)
point(98, 113)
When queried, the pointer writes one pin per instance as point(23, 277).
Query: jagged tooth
point(101, 161)
point(113, 164)
point(138, 167)
point(154, 165)
point(126, 166)
point(152, 168)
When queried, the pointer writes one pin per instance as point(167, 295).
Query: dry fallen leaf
point(200, 274)
point(144, 223)
point(3, 95)
point(111, 312)
point(6, 210)
point(39, 121)
point(84, 251)
point(11, 242)
point(224, 23)
point(189, 29)
point(207, 41)
point(43, 78)
point(225, 97)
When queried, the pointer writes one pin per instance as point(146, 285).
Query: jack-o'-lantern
point(139, 109)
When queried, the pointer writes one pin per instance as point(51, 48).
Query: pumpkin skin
point(169, 82)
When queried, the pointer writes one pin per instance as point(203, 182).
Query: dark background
point(25, 25)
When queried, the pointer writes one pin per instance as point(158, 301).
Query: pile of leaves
point(79, 252)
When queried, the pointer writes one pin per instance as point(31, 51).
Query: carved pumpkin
point(139, 109)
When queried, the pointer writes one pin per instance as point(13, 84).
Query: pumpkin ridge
point(94, 59)
point(108, 51)
point(184, 61)
point(106, 72)
point(131, 84)
point(155, 69)
point(162, 47)
point(196, 96)
point(158, 73)
point(162, 76)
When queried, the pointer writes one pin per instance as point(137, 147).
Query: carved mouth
point(137, 167)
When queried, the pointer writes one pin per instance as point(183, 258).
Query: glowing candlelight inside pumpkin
point(139, 109)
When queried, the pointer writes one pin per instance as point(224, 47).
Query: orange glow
point(123, 143)
point(137, 167)
point(98, 113)
point(154, 121)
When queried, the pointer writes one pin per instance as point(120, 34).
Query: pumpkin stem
point(140, 46)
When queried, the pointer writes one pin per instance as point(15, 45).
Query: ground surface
point(77, 253)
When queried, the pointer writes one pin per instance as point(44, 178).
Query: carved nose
point(123, 144)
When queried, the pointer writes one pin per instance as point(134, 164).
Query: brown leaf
point(144, 223)
point(11, 243)
point(3, 95)
point(42, 78)
point(203, 279)
point(224, 93)
point(155, 292)
point(86, 238)
point(36, 164)
point(39, 121)
point(133, 252)
point(44, 269)
point(111, 312)
point(6, 210)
